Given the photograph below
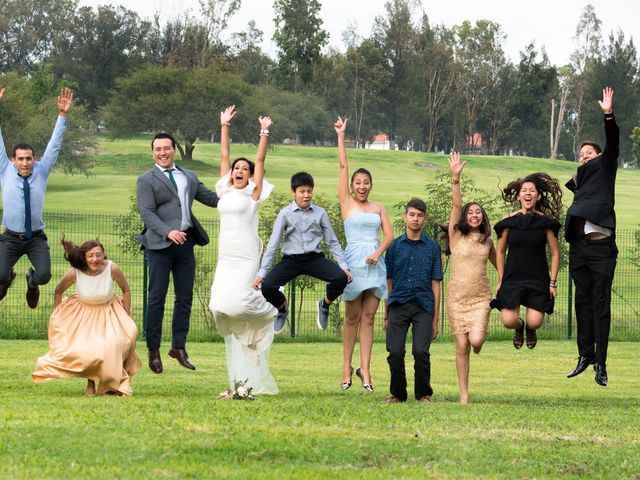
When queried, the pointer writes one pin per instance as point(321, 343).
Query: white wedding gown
point(241, 313)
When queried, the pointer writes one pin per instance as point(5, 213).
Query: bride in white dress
point(242, 315)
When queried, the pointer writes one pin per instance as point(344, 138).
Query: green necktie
point(171, 179)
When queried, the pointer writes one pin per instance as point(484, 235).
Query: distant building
point(475, 143)
point(379, 142)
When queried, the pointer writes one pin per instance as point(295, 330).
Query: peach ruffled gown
point(91, 336)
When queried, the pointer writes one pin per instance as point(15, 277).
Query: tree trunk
point(552, 153)
point(186, 152)
point(561, 110)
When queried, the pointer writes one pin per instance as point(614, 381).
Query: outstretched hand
point(1, 93)
point(340, 125)
point(455, 165)
point(606, 104)
point(65, 100)
point(265, 122)
point(228, 114)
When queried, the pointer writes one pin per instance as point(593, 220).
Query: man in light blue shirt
point(23, 182)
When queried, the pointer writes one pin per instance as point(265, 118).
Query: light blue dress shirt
point(301, 231)
point(12, 186)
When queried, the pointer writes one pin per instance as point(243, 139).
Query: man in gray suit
point(165, 194)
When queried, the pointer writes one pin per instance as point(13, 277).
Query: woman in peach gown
point(91, 333)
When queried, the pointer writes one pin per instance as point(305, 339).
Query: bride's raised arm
point(225, 151)
point(258, 173)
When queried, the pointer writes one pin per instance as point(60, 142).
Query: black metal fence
point(19, 321)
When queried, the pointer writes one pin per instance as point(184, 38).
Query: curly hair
point(75, 254)
point(550, 202)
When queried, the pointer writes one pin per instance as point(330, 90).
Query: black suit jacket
point(594, 186)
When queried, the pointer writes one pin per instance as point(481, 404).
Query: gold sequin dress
point(468, 292)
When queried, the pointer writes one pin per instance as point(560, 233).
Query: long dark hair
point(463, 227)
point(75, 254)
point(550, 202)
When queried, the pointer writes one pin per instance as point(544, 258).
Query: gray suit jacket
point(159, 207)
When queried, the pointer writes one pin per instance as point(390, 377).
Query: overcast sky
point(550, 23)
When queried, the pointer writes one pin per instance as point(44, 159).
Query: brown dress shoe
point(155, 362)
point(33, 292)
point(180, 354)
point(393, 399)
point(425, 399)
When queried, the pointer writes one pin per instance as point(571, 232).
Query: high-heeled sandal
point(347, 385)
point(518, 335)
point(367, 386)
point(532, 338)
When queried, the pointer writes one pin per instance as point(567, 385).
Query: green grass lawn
point(397, 175)
point(526, 420)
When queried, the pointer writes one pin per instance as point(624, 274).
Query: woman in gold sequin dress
point(468, 291)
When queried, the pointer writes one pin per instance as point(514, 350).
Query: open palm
point(455, 164)
point(606, 104)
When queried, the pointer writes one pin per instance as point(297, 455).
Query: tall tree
point(438, 71)
point(28, 30)
point(299, 37)
point(251, 63)
point(396, 36)
point(618, 68)
point(588, 50)
point(103, 45)
point(366, 80)
point(28, 112)
point(537, 82)
point(177, 100)
point(480, 56)
point(556, 124)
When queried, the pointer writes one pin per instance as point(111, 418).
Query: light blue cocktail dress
point(362, 230)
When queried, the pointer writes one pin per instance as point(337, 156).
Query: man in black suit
point(165, 194)
point(590, 230)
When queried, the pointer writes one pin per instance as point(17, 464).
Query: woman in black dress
point(523, 276)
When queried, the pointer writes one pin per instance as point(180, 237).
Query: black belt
point(23, 236)
point(598, 241)
point(303, 255)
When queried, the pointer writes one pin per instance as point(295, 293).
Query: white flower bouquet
point(240, 391)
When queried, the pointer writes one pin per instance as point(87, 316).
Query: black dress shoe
point(601, 374)
point(4, 287)
point(583, 363)
point(155, 362)
point(180, 354)
point(33, 292)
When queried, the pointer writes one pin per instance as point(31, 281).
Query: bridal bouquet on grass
point(239, 392)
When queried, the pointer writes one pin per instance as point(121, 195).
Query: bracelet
point(553, 284)
point(222, 124)
point(456, 182)
point(264, 133)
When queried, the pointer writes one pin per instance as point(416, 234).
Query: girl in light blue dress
point(363, 222)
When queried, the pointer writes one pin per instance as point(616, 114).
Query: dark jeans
point(179, 261)
point(13, 246)
point(592, 264)
point(292, 266)
point(401, 316)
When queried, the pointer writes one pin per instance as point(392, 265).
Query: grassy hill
point(397, 175)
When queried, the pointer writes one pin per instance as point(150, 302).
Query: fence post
point(145, 281)
point(292, 307)
point(569, 303)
